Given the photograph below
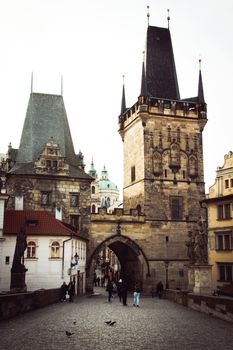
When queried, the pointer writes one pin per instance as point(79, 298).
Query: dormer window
point(32, 223)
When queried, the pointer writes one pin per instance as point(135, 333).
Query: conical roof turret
point(143, 81)
point(201, 98)
point(123, 103)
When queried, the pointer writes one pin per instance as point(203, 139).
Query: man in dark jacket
point(109, 289)
point(124, 292)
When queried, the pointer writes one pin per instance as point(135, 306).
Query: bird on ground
point(69, 333)
point(112, 323)
point(108, 322)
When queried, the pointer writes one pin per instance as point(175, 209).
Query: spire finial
point(168, 18)
point(199, 63)
point(148, 15)
point(123, 79)
point(61, 85)
point(32, 82)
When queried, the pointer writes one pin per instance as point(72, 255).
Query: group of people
point(67, 291)
point(122, 291)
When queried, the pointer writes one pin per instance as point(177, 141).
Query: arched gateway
point(133, 261)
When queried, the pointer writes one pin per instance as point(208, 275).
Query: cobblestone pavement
point(155, 325)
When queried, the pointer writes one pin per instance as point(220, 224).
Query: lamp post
point(166, 269)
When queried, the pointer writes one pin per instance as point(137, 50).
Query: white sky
point(92, 43)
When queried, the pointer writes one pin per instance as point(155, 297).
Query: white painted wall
point(43, 271)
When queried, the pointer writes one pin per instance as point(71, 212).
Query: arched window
point(93, 189)
point(31, 249)
point(93, 208)
point(55, 250)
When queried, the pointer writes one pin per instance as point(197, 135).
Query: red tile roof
point(35, 222)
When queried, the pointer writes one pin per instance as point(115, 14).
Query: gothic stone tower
point(163, 156)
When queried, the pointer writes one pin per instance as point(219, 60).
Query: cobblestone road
point(155, 325)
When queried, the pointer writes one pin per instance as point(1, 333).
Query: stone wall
point(14, 304)
point(220, 307)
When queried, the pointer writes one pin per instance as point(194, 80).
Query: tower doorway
point(115, 258)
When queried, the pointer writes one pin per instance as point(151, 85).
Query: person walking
point(159, 289)
point(109, 289)
point(124, 292)
point(71, 291)
point(119, 289)
point(136, 295)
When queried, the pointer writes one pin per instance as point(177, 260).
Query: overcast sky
point(92, 43)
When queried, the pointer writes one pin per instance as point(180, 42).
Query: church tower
point(162, 136)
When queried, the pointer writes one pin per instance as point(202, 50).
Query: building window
point(74, 221)
point(51, 163)
point(93, 189)
point(176, 206)
point(31, 249)
point(18, 202)
point(231, 182)
point(225, 272)
point(55, 250)
point(224, 211)
point(48, 163)
point(93, 208)
point(223, 241)
point(165, 173)
point(227, 183)
point(133, 173)
point(74, 200)
point(45, 197)
point(7, 260)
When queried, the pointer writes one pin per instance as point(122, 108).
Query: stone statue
point(197, 246)
point(18, 269)
point(21, 245)
point(201, 254)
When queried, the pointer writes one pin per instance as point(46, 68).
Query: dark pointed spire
point(143, 82)
point(123, 103)
point(201, 98)
point(160, 64)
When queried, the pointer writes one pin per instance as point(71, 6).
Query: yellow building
point(220, 223)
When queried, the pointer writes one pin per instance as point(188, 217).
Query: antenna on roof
point(168, 18)
point(32, 82)
point(61, 85)
point(148, 15)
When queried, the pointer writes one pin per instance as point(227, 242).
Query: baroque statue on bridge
point(18, 269)
point(197, 246)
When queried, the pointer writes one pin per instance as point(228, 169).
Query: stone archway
point(134, 264)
